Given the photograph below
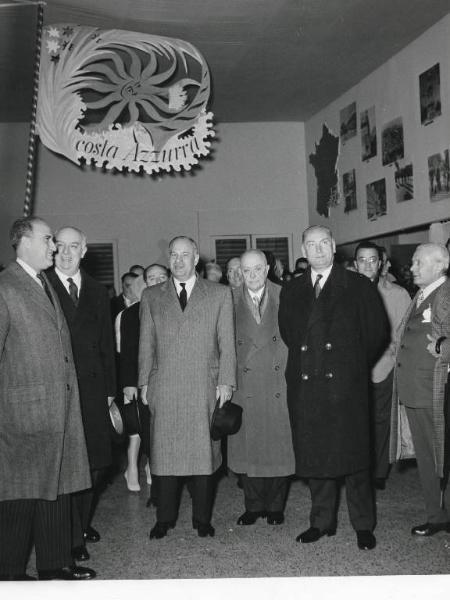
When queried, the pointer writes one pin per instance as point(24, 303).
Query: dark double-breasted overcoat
point(93, 350)
point(333, 341)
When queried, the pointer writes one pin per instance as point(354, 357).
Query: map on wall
point(124, 100)
point(324, 161)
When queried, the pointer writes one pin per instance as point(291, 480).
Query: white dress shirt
point(188, 287)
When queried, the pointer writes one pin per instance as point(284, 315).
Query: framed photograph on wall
point(392, 148)
point(376, 199)
point(368, 133)
point(349, 190)
point(348, 122)
point(404, 186)
point(439, 176)
point(430, 94)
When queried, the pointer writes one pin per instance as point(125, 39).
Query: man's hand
point(223, 393)
point(143, 392)
point(129, 393)
point(432, 346)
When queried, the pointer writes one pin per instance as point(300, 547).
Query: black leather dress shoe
point(21, 577)
point(428, 529)
point(250, 517)
point(80, 553)
point(366, 540)
point(72, 573)
point(313, 534)
point(275, 518)
point(205, 529)
point(91, 535)
point(160, 529)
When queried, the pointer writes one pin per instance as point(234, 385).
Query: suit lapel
point(36, 292)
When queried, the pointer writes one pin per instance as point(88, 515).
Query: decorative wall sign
point(376, 199)
point(430, 94)
point(349, 189)
point(392, 141)
point(368, 134)
point(348, 122)
point(439, 176)
point(123, 100)
point(324, 162)
point(404, 185)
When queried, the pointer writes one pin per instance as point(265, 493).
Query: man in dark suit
point(334, 324)
point(126, 298)
point(262, 449)
point(86, 307)
point(43, 456)
point(187, 361)
point(421, 370)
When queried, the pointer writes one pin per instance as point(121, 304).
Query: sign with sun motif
point(123, 100)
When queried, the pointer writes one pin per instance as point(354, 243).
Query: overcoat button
point(274, 338)
point(66, 358)
point(304, 348)
point(328, 346)
point(277, 395)
point(277, 368)
point(240, 342)
point(246, 369)
point(305, 377)
point(399, 364)
point(67, 387)
point(329, 375)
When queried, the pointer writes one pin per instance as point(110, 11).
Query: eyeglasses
point(371, 260)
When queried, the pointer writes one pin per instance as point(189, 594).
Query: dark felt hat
point(226, 420)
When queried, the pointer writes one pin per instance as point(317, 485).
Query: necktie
point(317, 286)
point(183, 296)
point(73, 290)
point(256, 304)
point(419, 298)
point(45, 286)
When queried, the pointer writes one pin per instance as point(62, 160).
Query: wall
point(255, 182)
point(394, 90)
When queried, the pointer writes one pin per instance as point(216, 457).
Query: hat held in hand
point(226, 420)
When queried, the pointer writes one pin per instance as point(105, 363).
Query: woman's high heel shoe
point(133, 487)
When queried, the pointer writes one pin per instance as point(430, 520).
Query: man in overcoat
point(43, 456)
point(421, 371)
point(262, 449)
point(334, 325)
point(85, 304)
point(187, 361)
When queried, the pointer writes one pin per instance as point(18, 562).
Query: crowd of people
point(339, 373)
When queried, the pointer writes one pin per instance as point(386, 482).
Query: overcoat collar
point(172, 303)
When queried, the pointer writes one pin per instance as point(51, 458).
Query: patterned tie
point(183, 296)
point(73, 290)
point(257, 309)
point(317, 286)
point(419, 298)
point(45, 286)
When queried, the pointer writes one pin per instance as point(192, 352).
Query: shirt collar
point(432, 286)
point(26, 267)
point(76, 278)
point(258, 294)
point(189, 284)
point(325, 274)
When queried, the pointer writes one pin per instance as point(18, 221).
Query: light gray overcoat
point(42, 445)
point(183, 356)
point(263, 446)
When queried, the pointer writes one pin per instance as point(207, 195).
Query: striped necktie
point(73, 290)
point(317, 288)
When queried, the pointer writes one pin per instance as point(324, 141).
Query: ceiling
point(270, 60)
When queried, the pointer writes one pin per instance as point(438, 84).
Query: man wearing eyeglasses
point(334, 325)
point(368, 262)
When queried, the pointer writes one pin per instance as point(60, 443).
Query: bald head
point(254, 269)
point(429, 263)
point(70, 249)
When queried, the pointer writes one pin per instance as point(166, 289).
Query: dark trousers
point(264, 494)
point(360, 501)
point(381, 425)
point(169, 488)
point(83, 506)
point(422, 431)
point(44, 523)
